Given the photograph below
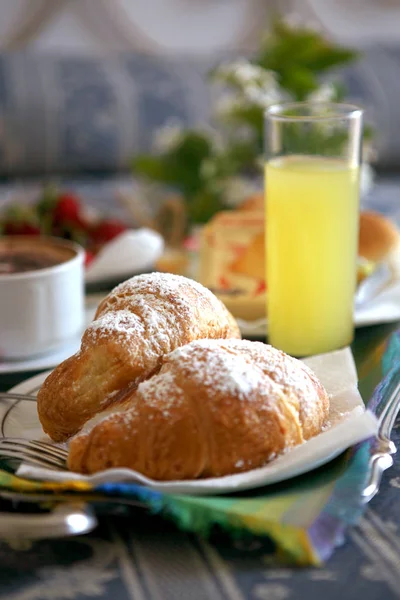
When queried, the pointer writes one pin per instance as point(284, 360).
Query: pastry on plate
point(135, 325)
point(233, 255)
point(216, 407)
point(379, 241)
point(232, 259)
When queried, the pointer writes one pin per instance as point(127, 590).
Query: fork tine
point(32, 452)
point(53, 450)
point(44, 447)
point(14, 396)
point(27, 449)
point(29, 452)
point(32, 457)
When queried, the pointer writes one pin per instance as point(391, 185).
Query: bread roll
point(378, 236)
point(216, 407)
point(136, 324)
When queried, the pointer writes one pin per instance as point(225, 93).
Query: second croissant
point(215, 408)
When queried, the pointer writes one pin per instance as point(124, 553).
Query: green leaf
point(299, 57)
point(300, 82)
point(151, 167)
point(239, 157)
point(179, 167)
point(48, 200)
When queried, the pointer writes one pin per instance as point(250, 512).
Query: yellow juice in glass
point(312, 216)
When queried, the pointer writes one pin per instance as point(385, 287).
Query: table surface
point(142, 557)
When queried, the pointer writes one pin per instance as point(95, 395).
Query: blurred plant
point(213, 168)
point(300, 56)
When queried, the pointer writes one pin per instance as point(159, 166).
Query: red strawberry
point(20, 228)
point(89, 257)
point(19, 220)
point(67, 210)
point(107, 230)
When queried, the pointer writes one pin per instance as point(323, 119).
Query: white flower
point(236, 189)
point(325, 93)
point(253, 86)
point(244, 72)
point(248, 73)
point(241, 69)
point(252, 94)
point(261, 96)
point(227, 104)
point(168, 137)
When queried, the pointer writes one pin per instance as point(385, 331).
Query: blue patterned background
point(72, 114)
point(86, 114)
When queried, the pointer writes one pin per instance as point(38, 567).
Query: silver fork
point(383, 448)
point(35, 452)
point(14, 396)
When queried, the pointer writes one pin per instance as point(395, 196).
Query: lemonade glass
point(312, 217)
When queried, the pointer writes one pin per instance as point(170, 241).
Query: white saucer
point(45, 361)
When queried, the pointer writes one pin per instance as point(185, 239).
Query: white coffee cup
point(42, 307)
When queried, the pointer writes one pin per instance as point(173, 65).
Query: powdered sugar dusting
point(121, 321)
point(293, 376)
point(109, 397)
point(166, 292)
point(162, 310)
point(161, 392)
point(164, 285)
point(240, 366)
point(210, 364)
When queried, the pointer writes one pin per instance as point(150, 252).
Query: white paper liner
point(348, 424)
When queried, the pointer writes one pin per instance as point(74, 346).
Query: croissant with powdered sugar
point(139, 322)
point(216, 407)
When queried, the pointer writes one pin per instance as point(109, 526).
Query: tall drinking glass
point(312, 216)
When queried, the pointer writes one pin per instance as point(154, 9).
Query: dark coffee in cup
point(21, 255)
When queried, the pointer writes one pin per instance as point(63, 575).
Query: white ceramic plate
point(350, 424)
point(45, 361)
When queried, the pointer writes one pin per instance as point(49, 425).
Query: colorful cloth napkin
point(305, 517)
